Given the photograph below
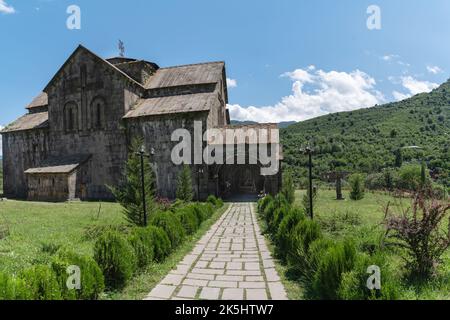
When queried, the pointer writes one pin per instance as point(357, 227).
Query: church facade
point(74, 140)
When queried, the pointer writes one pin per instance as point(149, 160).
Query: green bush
point(218, 203)
point(264, 202)
point(336, 261)
point(353, 284)
point(303, 234)
point(142, 242)
point(13, 288)
point(41, 283)
point(208, 208)
point(160, 241)
point(92, 280)
point(282, 237)
point(171, 225)
point(356, 182)
point(116, 258)
point(200, 211)
point(288, 188)
point(188, 219)
point(184, 185)
point(278, 216)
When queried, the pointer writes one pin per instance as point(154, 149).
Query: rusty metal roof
point(195, 102)
point(40, 101)
point(60, 165)
point(209, 72)
point(29, 121)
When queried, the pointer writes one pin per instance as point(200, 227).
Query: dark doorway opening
point(237, 180)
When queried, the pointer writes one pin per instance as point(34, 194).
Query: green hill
point(367, 140)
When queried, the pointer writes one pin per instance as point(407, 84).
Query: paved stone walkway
point(230, 262)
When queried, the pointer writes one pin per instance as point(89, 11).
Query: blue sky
point(286, 60)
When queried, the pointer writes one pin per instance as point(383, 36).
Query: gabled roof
point(174, 104)
point(60, 165)
point(29, 121)
point(110, 65)
point(40, 101)
point(210, 72)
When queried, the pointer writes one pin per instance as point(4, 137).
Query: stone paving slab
point(230, 262)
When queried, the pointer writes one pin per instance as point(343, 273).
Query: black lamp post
point(142, 154)
point(199, 172)
point(308, 150)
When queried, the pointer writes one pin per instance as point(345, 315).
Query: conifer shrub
point(161, 242)
point(116, 258)
point(213, 200)
point(336, 261)
point(40, 283)
point(303, 234)
point(282, 237)
point(356, 182)
point(91, 277)
point(142, 242)
point(169, 222)
point(264, 202)
point(13, 288)
point(188, 220)
point(353, 284)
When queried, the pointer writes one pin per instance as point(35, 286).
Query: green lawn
point(33, 226)
point(369, 209)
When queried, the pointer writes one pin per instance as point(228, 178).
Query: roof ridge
point(192, 64)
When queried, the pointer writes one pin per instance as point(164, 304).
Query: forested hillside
point(369, 140)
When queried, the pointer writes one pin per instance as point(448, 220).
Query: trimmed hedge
point(116, 259)
point(188, 219)
point(142, 242)
point(161, 242)
point(91, 277)
point(169, 222)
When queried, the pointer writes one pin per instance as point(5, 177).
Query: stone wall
point(157, 132)
point(89, 83)
point(22, 150)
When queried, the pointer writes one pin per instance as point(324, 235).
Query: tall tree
point(288, 188)
point(129, 193)
point(184, 185)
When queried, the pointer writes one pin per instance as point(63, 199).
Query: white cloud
point(5, 8)
point(394, 58)
point(414, 87)
point(434, 69)
point(329, 92)
point(231, 83)
point(390, 57)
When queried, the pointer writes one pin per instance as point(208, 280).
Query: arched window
point(98, 113)
point(70, 117)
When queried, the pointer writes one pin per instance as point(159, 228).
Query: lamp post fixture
point(308, 150)
point(199, 172)
point(142, 154)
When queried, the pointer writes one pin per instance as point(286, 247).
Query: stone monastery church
point(74, 140)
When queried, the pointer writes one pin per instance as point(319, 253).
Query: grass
point(141, 285)
point(36, 230)
point(350, 219)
